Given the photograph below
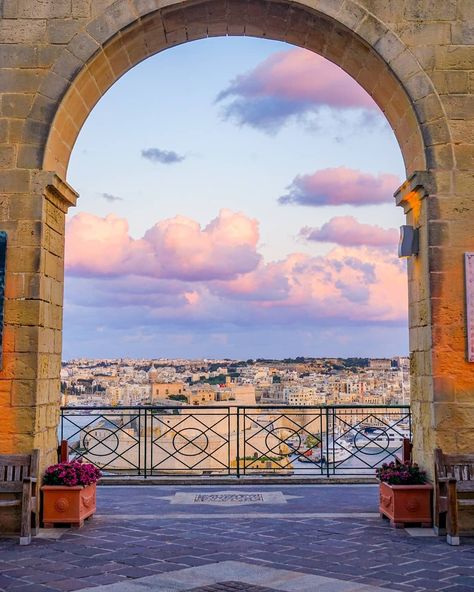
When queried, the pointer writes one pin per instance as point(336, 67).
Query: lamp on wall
point(408, 244)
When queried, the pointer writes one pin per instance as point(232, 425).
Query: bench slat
point(465, 486)
point(15, 459)
point(9, 503)
point(11, 487)
point(458, 459)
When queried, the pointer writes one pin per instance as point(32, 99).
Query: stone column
point(33, 206)
point(412, 196)
point(442, 380)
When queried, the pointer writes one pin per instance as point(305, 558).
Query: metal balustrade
point(340, 440)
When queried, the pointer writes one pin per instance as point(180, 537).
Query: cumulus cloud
point(340, 186)
point(184, 279)
point(162, 156)
point(177, 248)
point(110, 197)
point(288, 84)
point(348, 285)
point(349, 232)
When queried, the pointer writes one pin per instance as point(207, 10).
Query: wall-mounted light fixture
point(408, 244)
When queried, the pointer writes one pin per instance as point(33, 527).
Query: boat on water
point(389, 440)
point(335, 455)
point(311, 455)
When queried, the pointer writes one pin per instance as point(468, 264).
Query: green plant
point(313, 441)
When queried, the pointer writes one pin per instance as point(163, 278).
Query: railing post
point(327, 441)
point(238, 442)
point(229, 425)
point(145, 440)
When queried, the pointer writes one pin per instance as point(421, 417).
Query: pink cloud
point(351, 285)
point(291, 83)
point(180, 274)
point(346, 287)
point(177, 248)
point(341, 186)
point(347, 231)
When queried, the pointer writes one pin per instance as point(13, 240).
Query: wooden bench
point(454, 476)
point(18, 480)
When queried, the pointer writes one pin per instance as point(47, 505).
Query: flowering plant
point(397, 473)
point(71, 474)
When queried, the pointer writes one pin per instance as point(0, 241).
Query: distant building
point(380, 364)
point(162, 390)
point(199, 396)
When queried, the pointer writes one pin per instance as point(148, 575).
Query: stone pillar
point(33, 206)
point(412, 196)
point(442, 380)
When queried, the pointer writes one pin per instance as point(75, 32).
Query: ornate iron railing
point(236, 440)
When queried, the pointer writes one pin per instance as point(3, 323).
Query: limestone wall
point(57, 57)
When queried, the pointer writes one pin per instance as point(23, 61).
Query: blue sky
point(167, 104)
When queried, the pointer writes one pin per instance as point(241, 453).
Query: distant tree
point(181, 398)
point(219, 379)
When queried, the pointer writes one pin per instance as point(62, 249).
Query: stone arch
point(342, 32)
point(414, 58)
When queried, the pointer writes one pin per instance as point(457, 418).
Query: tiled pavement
point(232, 587)
point(331, 531)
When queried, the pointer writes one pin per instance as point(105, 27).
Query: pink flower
point(71, 474)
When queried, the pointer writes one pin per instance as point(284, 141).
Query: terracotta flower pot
point(68, 505)
point(406, 504)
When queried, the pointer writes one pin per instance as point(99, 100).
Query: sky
point(236, 201)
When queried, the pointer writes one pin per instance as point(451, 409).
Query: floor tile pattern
point(232, 587)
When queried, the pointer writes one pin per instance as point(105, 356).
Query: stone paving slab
point(266, 578)
point(297, 498)
point(137, 534)
point(232, 587)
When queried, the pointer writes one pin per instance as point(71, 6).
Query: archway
point(382, 61)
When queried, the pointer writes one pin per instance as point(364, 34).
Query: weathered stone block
point(81, 8)
point(43, 9)
point(462, 33)
point(424, 32)
point(26, 339)
point(67, 65)
point(14, 181)
point(30, 157)
point(143, 7)
point(16, 105)
point(438, 235)
point(62, 31)
point(430, 10)
point(83, 46)
point(451, 81)
point(35, 132)
point(454, 57)
point(464, 155)
point(17, 56)
point(7, 157)
point(20, 80)
point(22, 31)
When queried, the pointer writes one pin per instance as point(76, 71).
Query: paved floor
point(223, 539)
